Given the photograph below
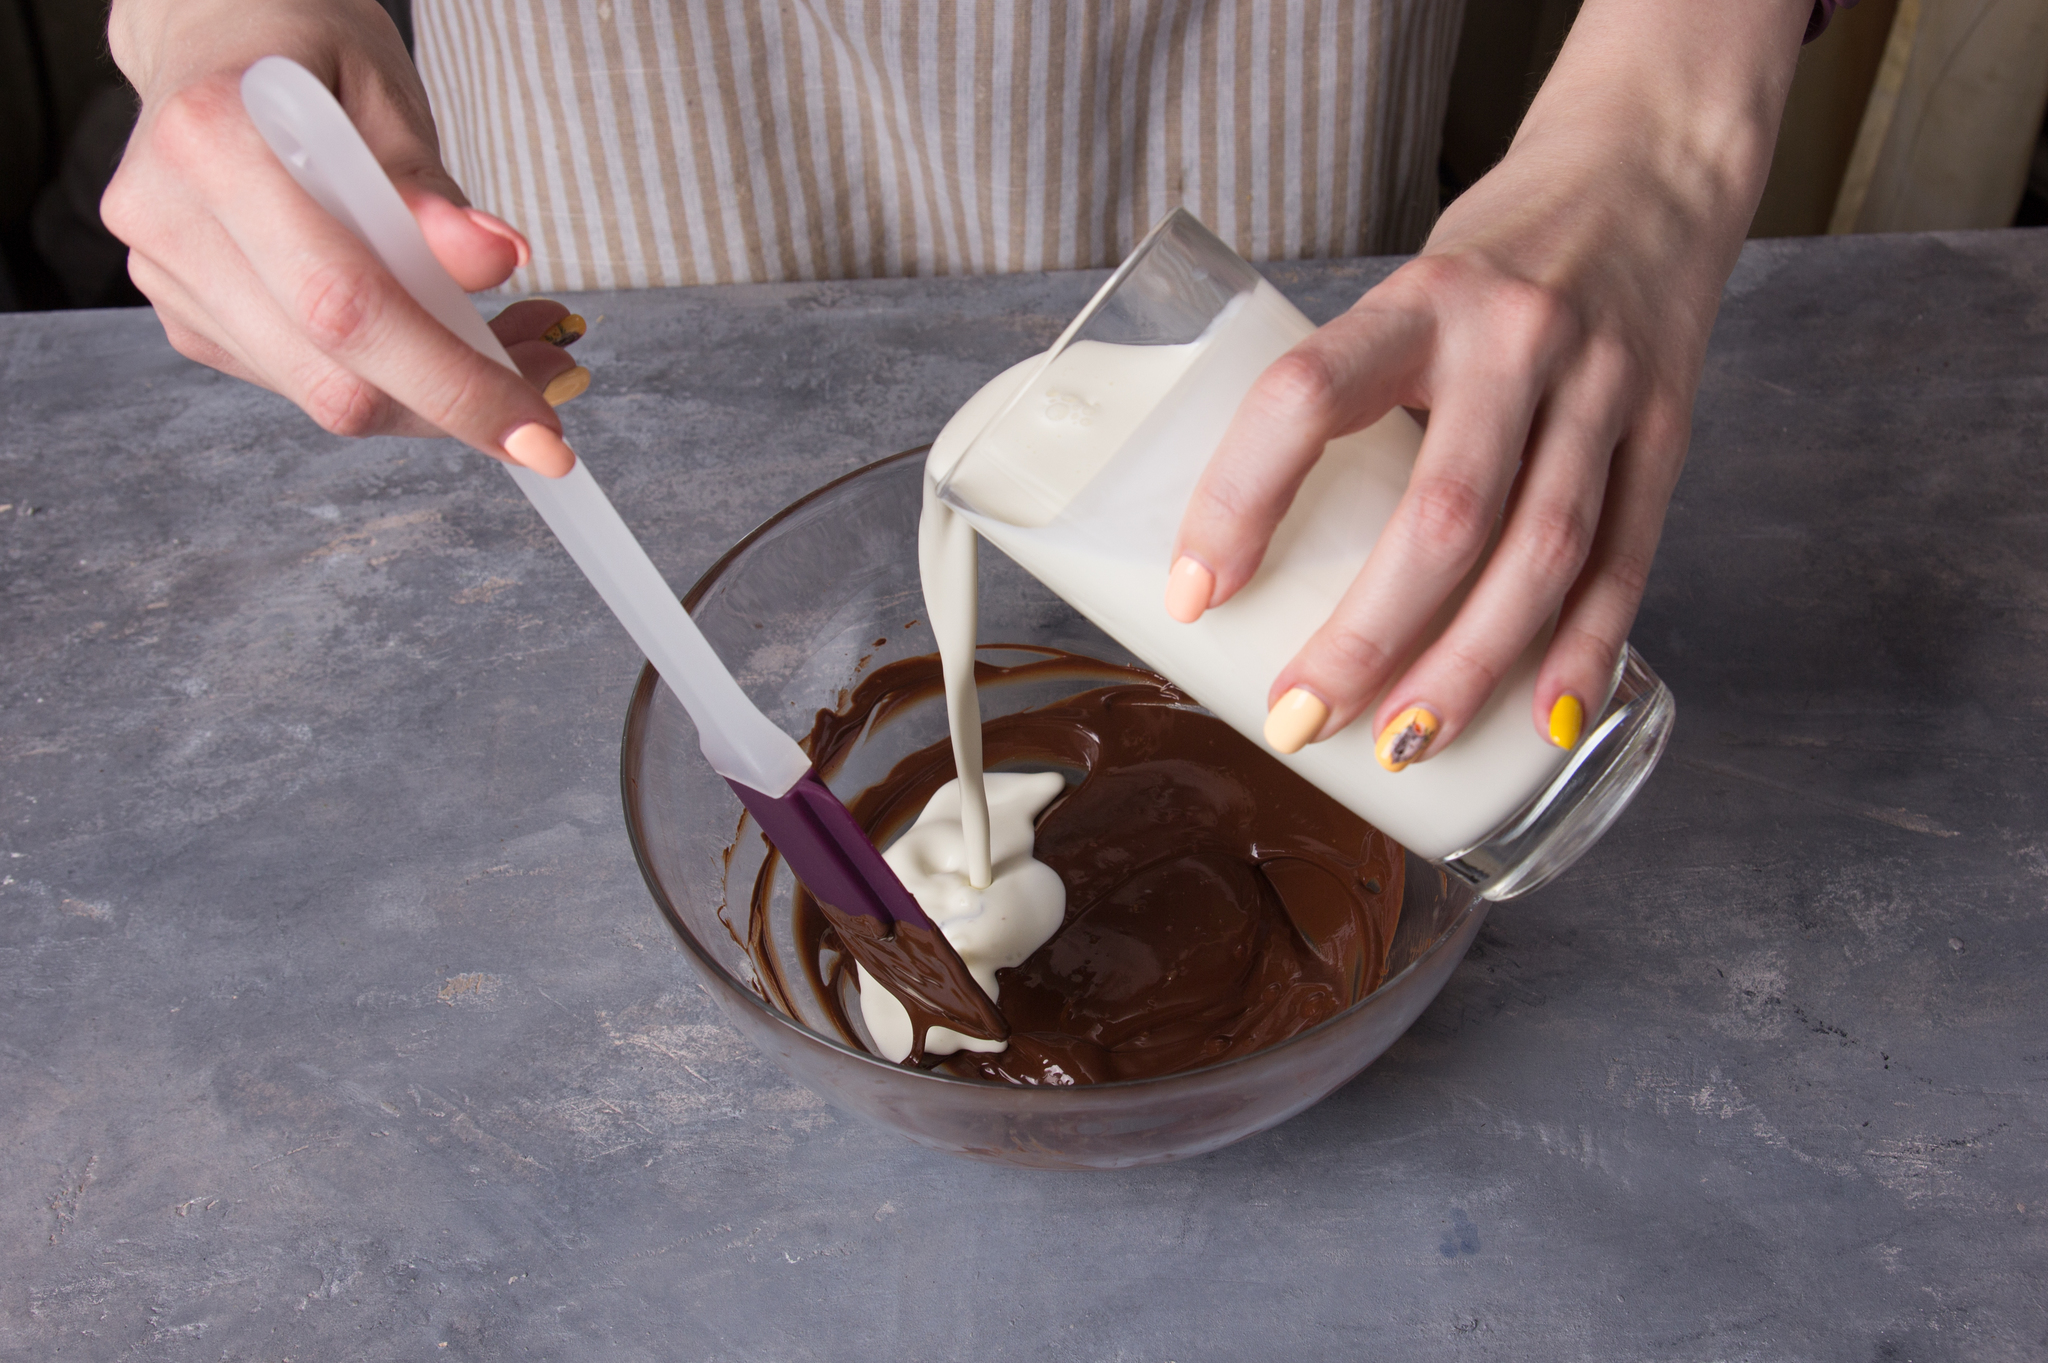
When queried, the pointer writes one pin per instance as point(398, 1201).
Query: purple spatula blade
point(878, 920)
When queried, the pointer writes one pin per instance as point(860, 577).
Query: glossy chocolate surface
point(1216, 902)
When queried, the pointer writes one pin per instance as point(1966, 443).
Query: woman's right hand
point(249, 275)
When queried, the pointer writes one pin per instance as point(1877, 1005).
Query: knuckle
point(122, 211)
point(187, 342)
point(188, 125)
point(1351, 654)
point(1555, 542)
point(345, 405)
point(1480, 672)
point(1448, 513)
point(1228, 501)
point(1218, 501)
point(1300, 385)
point(148, 281)
point(333, 305)
point(1665, 425)
point(1530, 318)
point(463, 388)
point(1629, 570)
point(1613, 364)
point(1431, 274)
point(1590, 649)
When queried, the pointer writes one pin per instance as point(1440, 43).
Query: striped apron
point(645, 143)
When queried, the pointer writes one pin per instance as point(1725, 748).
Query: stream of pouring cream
point(967, 859)
point(948, 564)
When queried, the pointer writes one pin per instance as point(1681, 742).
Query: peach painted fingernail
point(1189, 588)
point(570, 383)
point(498, 227)
point(1407, 738)
point(1567, 717)
point(566, 332)
point(540, 449)
point(1297, 717)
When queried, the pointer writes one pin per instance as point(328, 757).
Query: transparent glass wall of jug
point(1079, 463)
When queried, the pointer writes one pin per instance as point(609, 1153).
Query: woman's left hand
point(1553, 329)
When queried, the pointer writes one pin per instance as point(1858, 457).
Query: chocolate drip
point(919, 966)
point(1216, 902)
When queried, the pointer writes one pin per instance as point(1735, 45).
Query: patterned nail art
point(1407, 738)
point(566, 332)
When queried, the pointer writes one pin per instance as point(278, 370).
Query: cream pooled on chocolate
point(993, 927)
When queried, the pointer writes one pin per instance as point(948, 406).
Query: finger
point(1344, 377)
point(550, 369)
point(342, 299)
point(527, 320)
point(275, 272)
point(1600, 609)
point(539, 319)
point(338, 400)
point(544, 330)
point(184, 323)
point(1427, 549)
point(1552, 516)
point(238, 313)
point(481, 251)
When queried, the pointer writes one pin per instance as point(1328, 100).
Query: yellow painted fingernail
point(568, 384)
point(1407, 738)
point(1567, 717)
point(568, 331)
point(1189, 588)
point(1294, 720)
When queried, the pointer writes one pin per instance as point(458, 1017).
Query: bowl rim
point(641, 703)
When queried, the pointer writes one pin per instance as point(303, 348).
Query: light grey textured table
point(335, 1023)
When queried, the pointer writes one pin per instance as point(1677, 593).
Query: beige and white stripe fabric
point(661, 142)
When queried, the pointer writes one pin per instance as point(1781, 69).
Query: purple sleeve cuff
point(1823, 10)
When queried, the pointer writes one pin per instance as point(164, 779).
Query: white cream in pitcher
point(1083, 481)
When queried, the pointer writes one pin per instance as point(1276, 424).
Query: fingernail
point(499, 227)
point(568, 331)
point(1567, 717)
point(1189, 588)
point(570, 383)
point(1407, 738)
point(540, 449)
point(1294, 720)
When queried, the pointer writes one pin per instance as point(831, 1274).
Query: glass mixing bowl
point(814, 599)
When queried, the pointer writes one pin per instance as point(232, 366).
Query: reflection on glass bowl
point(823, 592)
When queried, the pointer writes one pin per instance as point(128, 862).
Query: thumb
point(478, 249)
point(380, 88)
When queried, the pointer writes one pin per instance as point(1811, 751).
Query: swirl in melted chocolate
point(1216, 902)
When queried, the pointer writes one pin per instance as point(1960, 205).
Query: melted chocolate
point(919, 966)
point(1216, 902)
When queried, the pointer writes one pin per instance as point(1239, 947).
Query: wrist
point(1680, 101)
point(162, 45)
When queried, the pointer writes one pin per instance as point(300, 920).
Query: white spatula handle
point(312, 135)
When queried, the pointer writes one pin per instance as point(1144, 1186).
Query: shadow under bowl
point(820, 594)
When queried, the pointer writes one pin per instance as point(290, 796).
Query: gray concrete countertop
point(336, 1024)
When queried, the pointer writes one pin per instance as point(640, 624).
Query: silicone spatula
point(808, 824)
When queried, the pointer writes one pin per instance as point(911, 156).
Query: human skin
point(248, 275)
point(1553, 329)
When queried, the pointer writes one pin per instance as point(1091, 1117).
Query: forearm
point(1678, 102)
